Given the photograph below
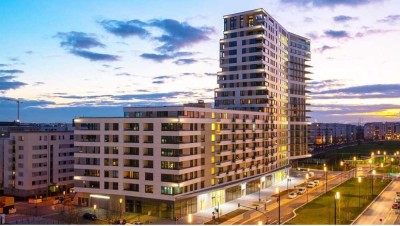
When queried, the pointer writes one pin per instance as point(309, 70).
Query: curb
point(365, 209)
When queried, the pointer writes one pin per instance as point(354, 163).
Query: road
point(381, 208)
point(288, 205)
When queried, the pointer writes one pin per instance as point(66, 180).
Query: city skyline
point(74, 59)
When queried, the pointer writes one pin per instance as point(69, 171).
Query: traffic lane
point(381, 208)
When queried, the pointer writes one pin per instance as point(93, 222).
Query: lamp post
point(391, 161)
point(279, 205)
point(307, 186)
point(287, 185)
point(355, 166)
point(384, 157)
point(372, 182)
point(259, 192)
point(120, 208)
point(94, 209)
point(370, 164)
point(337, 197)
point(259, 222)
point(341, 175)
point(359, 199)
point(326, 179)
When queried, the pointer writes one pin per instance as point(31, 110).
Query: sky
point(67, 59)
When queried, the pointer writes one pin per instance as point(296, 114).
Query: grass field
point(321, 210)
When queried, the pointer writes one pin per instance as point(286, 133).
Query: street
point(381, 208)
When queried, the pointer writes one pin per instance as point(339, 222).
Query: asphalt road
point(380, 212)
point(288, 205)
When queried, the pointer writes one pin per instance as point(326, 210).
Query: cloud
point(78, 40)
point(8, 82)
point(124, 74)
point(29, 52)
point(336, 34)
point(312, 35)
point(373, 32)
point(161, 57)
point(178, 35)
point(78, 43)
point(308, 19)
point(185, 61)
point(391, 19)
point(343, 18)
point(329, 3)
point(126, 28)
point(153, 96)
point(324, 48)
point(38, 83)
point(4, 65)
point(173, 35)
point(210, 74)
point(162, 79)
point(95, 56)
point(12, 71)
point(360, 92)
point(317, 86)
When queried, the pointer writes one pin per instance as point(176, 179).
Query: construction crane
point(18, 101)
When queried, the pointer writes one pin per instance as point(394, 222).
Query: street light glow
point(190, 218)
point(337, 195)
point(373, 172)
point(120, 201)
point(341, 163)
point(325, 169)
point(259, 223)
point(359, 179)
point(94, 206)
point(277, 190)
point(354, 158)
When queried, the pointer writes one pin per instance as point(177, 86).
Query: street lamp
point(279, 205)
point(370, 164)
point(341, 175)
point(391, 161)
point(326, 179)
point(384, 156)
point(259, 222)
point(120, 208)
point(259, 192)
point(355, 166)
point(359, 199)
point(372, 182)
point(379, 152)
point(337, 197)
point(94, 208)
point(307, 186)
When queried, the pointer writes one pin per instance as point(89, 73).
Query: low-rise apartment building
point(176, 160)
point(322, 135)
point(38, 163)
point(382, 131)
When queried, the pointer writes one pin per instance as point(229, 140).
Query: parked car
point(292, 195)
point(397, 200)
point(316, 182)
point(398, 194)
point(311, 174)
point(89, 216)
point(396, 206)
point(301, 190)
point(310, 185)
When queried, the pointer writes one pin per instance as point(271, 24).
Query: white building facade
point(173, 161)
point(38, 163)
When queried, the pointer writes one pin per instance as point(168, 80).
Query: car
point(398, 194)
point(397, 200)
point(316, 182)
point(310, 185)
point(292, 195)
point(301, 190)
point(396, 206)
point(138, 223)
point(311, 174)
point(89, 216)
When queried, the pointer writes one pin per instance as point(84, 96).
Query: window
point(232, 60)
point(232, 44)
point(148, 188)
point(232, 52)
point(148, 176)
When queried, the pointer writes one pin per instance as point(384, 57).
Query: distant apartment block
point(263, 69)
point(323, 135)
point(382, 131)
point(175, 160)
point(38, 163)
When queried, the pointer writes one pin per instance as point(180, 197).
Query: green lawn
point(321, 210)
